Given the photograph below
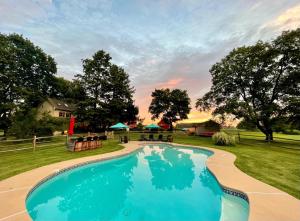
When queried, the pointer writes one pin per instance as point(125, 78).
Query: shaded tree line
point(259, 84)
point(108, 94)
point(102, 94)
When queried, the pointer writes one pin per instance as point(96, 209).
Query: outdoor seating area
point(82, 143)
point(124, 139)
point(161, 137)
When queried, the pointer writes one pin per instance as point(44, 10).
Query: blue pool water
point(156, 183)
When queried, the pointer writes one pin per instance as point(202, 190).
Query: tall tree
point(95, 83)
point(259, 83)
point(71, 91)
point(119, 96)
point(26, 76)
point(171, 105)
point(109, 94)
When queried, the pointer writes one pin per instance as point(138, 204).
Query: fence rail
point(38, 143)
point(253, 134)
point(31, 143)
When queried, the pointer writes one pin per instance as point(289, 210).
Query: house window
point(68, 115)
point(61, 114)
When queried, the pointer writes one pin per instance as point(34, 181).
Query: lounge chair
point(124, 139)
point(151, 137)
point(160, 137)
point(170, 138)
point(142, 138)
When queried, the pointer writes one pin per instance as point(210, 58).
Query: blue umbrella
point(119, 126)
point(152, 126)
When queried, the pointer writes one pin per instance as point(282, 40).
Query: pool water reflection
point(156, 183)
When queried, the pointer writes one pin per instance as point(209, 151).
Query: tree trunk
point(267, 131)
point(269, 135)
point(171, 126)
point(5, 132)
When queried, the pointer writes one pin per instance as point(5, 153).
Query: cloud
point(289, 19)
point(16, 13)
point(160, 43)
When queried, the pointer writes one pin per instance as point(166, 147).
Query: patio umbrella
point(119, 126)
point(71, 126)
point(152, 126)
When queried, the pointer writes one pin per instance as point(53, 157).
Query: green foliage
point(25, 124)
point(258, 83)
point(246, 125)
point(212, 126)
point(54, 123)
point(171, 105)
point(26, 76)
point(108, 93)
point(223, 139)
point(70, 91)
point(140, 126)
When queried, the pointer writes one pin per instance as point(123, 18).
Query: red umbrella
point(71, 126)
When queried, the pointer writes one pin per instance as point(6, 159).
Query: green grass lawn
point(12, 163)
point(276, 163)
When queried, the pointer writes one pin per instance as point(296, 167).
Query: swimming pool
point(157, 182)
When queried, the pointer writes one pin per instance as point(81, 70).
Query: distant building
point(163, 124)
point(206, 128)
point(132, 124)
point(56, 108)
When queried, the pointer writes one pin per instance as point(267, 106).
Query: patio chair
point(151, 137)
point(142, 137)
point(124, 139)
point(170, 138)
point(160, 137)
point(89, 143)
point(95, 142)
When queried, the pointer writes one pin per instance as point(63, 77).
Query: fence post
point(67, 139)
point(34, 142)
point(239, 136)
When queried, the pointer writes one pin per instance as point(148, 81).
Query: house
point(132, 124)
point(56, 108)
point(163, 124)
point(206, 128)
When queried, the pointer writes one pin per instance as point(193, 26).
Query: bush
point(25, 124)
point(223, 139)
point(44, 131)
point(291, 132)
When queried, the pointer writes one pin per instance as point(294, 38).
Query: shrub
point(44, 131)
point(291, 132)
point(25, 124)
point(223, 139)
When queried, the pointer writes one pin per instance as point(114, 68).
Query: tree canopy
point(26, 76)
point(63, 89)
point(259, 83)
point(171, 105)
point(109, 96)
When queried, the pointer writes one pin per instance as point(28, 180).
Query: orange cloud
point(170, 84)
point(290, 19)
point(196, 116)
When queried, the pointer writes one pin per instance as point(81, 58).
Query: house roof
point(61, 105)
point(196, 124)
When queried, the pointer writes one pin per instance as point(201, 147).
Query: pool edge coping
point(130, 148)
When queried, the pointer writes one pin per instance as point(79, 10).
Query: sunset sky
point(161, 44)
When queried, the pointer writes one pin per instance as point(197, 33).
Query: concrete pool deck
point(266, 203)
